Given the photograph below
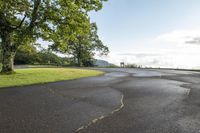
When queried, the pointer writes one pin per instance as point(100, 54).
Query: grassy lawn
point(42, 66)
point(43, 75)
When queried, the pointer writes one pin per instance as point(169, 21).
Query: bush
point(133, 66)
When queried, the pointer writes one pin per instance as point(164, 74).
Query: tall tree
point(86, 47)
point(57, 21)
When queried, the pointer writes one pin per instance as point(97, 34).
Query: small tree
point(57, 21)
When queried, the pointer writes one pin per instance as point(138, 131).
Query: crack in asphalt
point(101, 117)
point(94, 120)
point(83, 127)
point(123, 103)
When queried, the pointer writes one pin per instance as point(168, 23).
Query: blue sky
point(150, 32)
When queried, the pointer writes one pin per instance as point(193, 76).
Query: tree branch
point(34, 13)
point(20, 23)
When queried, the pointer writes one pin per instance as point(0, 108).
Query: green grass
point(44, 75)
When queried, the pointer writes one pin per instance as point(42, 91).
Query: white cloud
point(166, 50)
point(178, 37)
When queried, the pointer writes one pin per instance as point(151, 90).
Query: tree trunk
point(79, 61)
point(8, 54)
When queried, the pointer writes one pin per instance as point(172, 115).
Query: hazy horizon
point(155, 33)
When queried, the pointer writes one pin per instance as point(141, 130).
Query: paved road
point(121, 101)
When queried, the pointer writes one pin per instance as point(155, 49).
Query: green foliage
point(29, 55)
point(84, 50)
point(58, 21)
point(133, 66)
point(26, 54)
point(113, 66)
point(0, 54)
point(48, 57)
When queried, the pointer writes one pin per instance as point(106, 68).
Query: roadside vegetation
point(47, 33)
point(64, 26)
point(44, 75)
point(133, 66)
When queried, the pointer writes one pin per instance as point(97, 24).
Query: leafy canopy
point(87, 46)
point(57, 21)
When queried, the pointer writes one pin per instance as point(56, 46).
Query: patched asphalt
point(121, 101)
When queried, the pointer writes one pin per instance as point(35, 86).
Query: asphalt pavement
point(120, 101)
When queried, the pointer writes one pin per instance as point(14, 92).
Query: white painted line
point(188, 92)
point(102, 117)
point(122, 105)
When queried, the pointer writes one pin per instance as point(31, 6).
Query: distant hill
point(102, 63)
